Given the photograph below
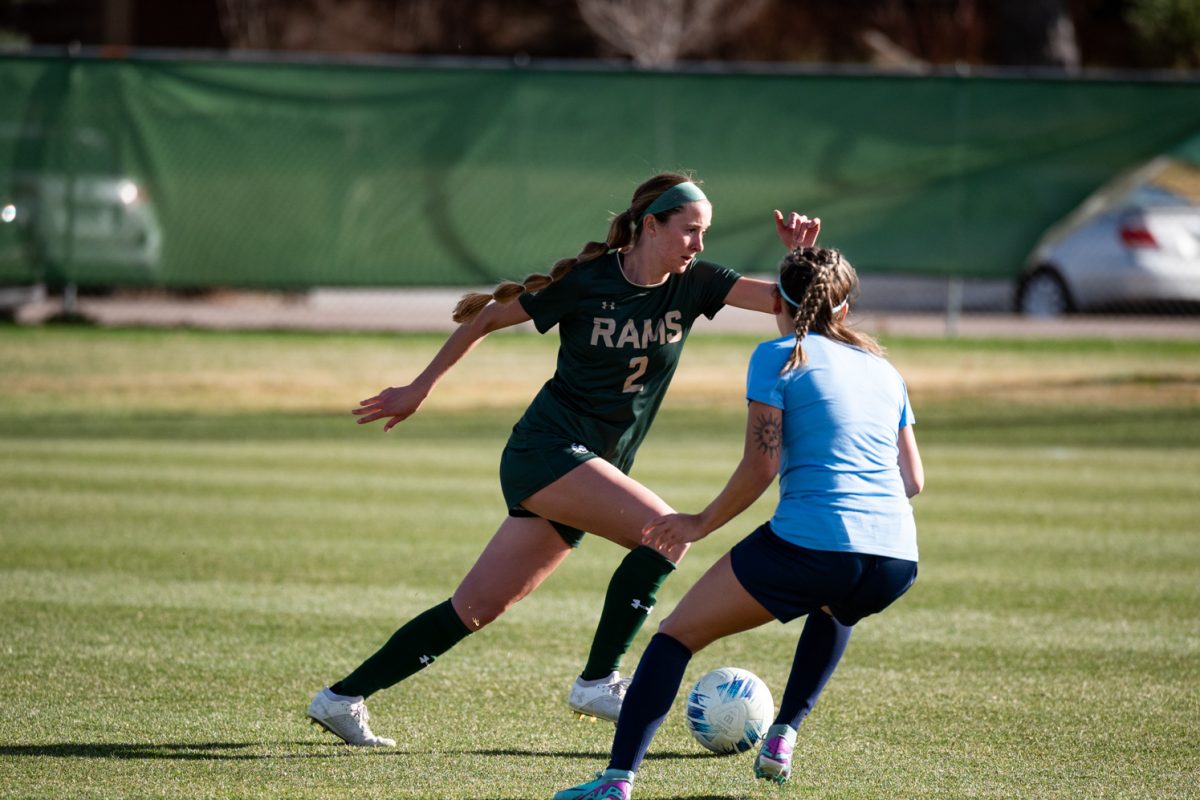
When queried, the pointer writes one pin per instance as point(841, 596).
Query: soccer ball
point(729, 710)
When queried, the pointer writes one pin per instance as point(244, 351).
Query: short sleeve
point(551, 304)
point(715, 283)
point(907, 417)
point(764, 383)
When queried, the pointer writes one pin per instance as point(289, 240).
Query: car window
point(1150, 196)
point(1176, 184)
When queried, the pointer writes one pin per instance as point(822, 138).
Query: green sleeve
point(551, 304)
point(715, 282)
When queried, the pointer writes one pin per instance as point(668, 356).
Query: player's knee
point(676, 553)
point(478, 613)
point(683, 633)
point(479, 616)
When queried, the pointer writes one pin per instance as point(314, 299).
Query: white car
point(1134, 244)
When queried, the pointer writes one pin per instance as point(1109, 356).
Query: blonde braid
point(619, 235)
point(815, 301)
point(827, 279)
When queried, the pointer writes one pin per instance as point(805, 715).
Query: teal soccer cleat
point(612, 784)
point(774, 761)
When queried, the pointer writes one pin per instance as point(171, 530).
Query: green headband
point(678, 195)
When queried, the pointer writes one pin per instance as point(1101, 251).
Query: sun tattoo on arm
point(768, 434)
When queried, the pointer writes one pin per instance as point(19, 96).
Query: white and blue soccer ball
point(729, 710)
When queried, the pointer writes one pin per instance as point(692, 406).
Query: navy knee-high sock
point(648, 699)
point(818, 652)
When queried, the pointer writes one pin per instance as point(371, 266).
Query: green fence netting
point(193, 173)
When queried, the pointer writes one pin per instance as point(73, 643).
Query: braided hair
point(623, 233)
point(819, 280)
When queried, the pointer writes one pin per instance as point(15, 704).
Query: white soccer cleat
point(346, 718)
point(600, 698)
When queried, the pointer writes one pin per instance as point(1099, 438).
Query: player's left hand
point(797, 230)
point(671, 531)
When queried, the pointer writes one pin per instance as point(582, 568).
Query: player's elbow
point(913, 481)
point(759, 472)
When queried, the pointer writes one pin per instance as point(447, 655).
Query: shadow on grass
point(577, 754)
point(228, 751)
point(192, 751)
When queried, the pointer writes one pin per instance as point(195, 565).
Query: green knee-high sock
point(412, 648)
point(630, 599)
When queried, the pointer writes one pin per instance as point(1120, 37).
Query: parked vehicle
point(90, 225)
point(1134, 244)
point(88, 228)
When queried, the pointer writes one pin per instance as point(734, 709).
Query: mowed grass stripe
point(1039, 639)
point(189, 556)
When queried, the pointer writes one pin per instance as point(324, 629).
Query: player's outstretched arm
point(754, 473)
point(398, 403)
point(796, 230)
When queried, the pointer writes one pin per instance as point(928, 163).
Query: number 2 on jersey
point(638, 365)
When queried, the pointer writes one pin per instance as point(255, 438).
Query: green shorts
point(531, 461)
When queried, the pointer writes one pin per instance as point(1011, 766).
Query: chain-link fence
point(192, 174)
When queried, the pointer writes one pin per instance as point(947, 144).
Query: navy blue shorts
point(791, 581)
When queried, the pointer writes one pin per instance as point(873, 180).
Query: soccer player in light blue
point(623, 308)
point(830, 416)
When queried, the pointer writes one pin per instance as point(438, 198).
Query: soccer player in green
point(624, 308)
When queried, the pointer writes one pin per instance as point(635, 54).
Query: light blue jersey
point(839, 480)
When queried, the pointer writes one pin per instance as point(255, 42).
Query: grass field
point(196, 537)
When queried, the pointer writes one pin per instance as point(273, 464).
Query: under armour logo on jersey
point(578, 449)
point(608, 305)
point(425, 661)
point(638, 604)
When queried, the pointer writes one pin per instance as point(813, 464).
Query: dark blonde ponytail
point(622, 233)
point(814, 281)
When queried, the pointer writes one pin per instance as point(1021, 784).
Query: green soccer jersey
point(619, 345)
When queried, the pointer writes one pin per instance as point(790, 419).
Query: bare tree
point(344, 26)
point(885, 53)
point(360, 26)
point(1170, 29)
point(659, 33)
point(245, 23)
point(1038, 33)
point(909, 35)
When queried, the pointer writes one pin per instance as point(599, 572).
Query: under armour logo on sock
point(425, 661)
point(638, 604)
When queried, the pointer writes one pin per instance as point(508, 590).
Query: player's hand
point(396, 403)
point(797, 230)
point(668, 533)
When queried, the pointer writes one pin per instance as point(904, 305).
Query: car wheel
point(1043, 293)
